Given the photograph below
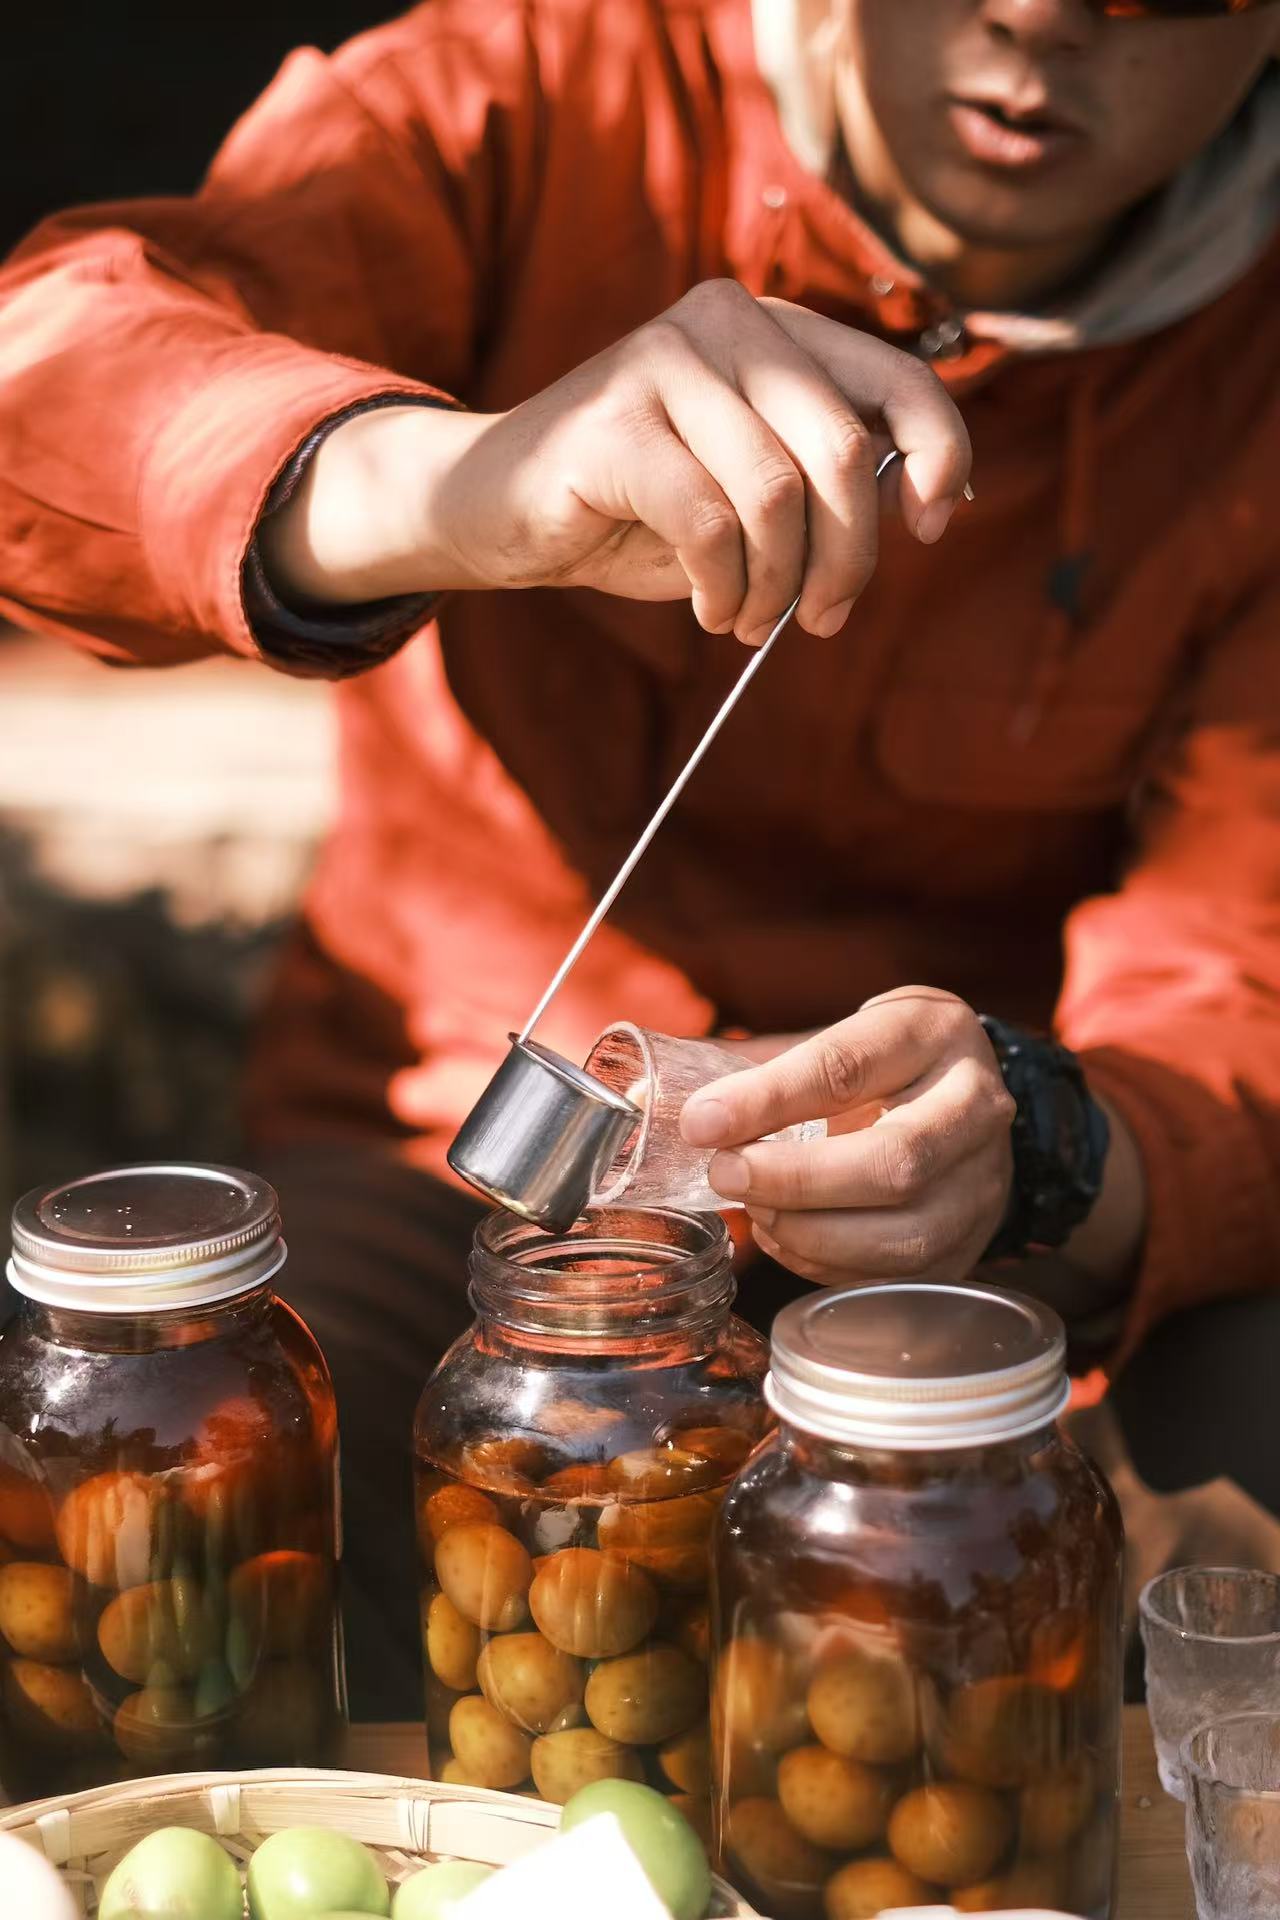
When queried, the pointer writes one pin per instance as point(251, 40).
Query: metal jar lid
point(146, 1239)
point(917, 1367)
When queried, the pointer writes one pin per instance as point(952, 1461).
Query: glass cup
point(1232, 1772)
point(1212, 1640)
point(655, 1166)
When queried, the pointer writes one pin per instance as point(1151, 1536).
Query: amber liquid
point(167, 1551)
point(918, 1686)
point(565, 1614)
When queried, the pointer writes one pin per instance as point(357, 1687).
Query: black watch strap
point(1060, 1138)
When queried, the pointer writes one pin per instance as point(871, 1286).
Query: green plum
point(174, 1874)
point(304, 1872)
point(673, 1857)
point(434, 1893)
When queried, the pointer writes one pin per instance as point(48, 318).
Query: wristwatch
point(1060, 1140)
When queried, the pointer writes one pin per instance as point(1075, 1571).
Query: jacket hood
point(1195, 239)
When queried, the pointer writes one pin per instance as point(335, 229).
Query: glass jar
point(918, 1620)
point(571, 1452)
point(168, 1506)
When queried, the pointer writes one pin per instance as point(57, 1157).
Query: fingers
point(675, 494)
point(885, 384)
point(875, 1054)
point(895, 1163)
point(942, 1239)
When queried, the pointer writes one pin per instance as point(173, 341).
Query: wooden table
point(1153, 1864)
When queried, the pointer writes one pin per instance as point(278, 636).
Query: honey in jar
point(168, 1518)
point(572, 1450)
point(917, 1681)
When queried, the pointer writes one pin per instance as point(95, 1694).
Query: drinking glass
point(1232, 1772)
point(1212, 1639)
point(655, 1165)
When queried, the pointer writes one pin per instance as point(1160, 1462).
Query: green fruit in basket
point(174, 1874)
point(434, 1893)
point(302, 1873)
point(673, 1857)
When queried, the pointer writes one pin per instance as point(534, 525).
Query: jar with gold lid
point(571, 1453)
point(168, 1505)
point(917, 1670)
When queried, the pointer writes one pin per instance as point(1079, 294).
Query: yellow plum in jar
point(51, 1706)
point(658, 1473)
point(163, 1622)
point(579, 1483)
point(686, 1761)
point(837, 1803)
point(693, 1633)
point(486, 1573)
point(863, 1706)
point(110, 1527)
point(452, 1643)
point(725, 1447)
point(37, 1611)
point(452, 1505)
point(668, 1538)
point(1031, 1883)
point(282, 1598)
point(950, 1832)
point(591, 1606)
point(647, 1696)
point(1052, 1811)
point(564, 1762)
point(26, 1511)
point(788, 1869)
point(865, 1889)
point(490, 1751)
point(530, 1682)
point(757, 1700)
point(156, 1727)
point(1002, 1732)
point(509, 1466)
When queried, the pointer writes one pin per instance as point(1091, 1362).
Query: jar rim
point(151, 1237)
point(916, 1366)
point(644, 1267)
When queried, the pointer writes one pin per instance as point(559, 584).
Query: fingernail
point(704, 1123)
point(832, 621)
point(932, 523)
point(764, 1216)
point(730, 1175)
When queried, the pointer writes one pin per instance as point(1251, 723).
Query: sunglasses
point(1175, 9)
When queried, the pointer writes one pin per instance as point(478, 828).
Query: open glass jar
point(918, 1620)
point(168, 1506)
point(571, 1452)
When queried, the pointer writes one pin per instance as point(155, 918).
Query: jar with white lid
point(917, 1675)
point(168, 1503)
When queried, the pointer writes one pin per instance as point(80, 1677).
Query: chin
point(1004, 215)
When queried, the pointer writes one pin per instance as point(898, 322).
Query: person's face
point(1023, 122)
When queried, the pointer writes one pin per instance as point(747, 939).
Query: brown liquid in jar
point(917, 1692)
point(564, 1614)
point(167, 1546)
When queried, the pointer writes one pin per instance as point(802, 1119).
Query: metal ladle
point(543, 1132)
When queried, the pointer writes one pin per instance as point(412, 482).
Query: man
point(682, 262)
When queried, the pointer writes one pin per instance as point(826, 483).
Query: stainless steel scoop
point(543, 1132)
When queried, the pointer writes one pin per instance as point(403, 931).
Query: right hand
point(725, 451)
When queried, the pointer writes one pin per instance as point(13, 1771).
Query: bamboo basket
point(407, 1823)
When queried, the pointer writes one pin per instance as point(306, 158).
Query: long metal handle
point(632, 860)
point(628, 866)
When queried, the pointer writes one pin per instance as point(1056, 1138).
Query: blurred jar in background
point(168, 1499)
point(917, 1677)
point(571, 1453)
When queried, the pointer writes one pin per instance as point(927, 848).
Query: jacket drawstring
point(1066, 583)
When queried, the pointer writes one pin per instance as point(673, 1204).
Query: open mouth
point(998, 135)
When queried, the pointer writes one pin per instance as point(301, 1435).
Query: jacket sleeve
point(1172, 987)
point(160, 362)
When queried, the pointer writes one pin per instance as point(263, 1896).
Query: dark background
point(103, 101)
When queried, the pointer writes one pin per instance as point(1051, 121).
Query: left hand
point(914, 1175)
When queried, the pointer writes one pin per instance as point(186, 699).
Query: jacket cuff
point(216, 463)
point(1211, 1231)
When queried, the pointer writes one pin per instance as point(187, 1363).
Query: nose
point(1041, 26)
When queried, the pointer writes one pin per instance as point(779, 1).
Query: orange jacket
point(1064, 723)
